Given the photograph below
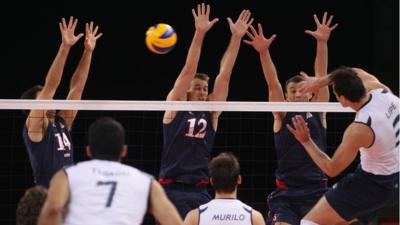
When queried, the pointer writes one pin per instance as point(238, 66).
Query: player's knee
point(307, 222)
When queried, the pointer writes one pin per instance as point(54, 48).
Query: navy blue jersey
point(187, 146)
point(52, 153)
point(295, 167)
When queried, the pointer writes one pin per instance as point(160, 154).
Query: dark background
point(123, 69)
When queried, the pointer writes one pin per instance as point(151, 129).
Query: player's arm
point(182, 83)
point(321, 35)
point(57, 199)
point(161, 208)
point(221, 85)
point(257, 218)
point(192, 218)
point(312, 84)
point(79, 78)
point(370, 81)
point(203, 25)
point(357, 135)
point(261, 45)
point(37, 121)
point(238, 30)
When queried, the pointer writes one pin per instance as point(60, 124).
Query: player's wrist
point(306, 141)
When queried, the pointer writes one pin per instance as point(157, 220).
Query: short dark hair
point(295, 79)
point(106, 138)
point(202, 76)
point(224, 171)
point(30, 205)
point(30, 94)
point(346, 82)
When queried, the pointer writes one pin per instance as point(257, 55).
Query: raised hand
point(239, 28)
point(68, 30)
point(91, 36)
point(324, 29)
point(201, 19)
point(309, 84)
point(257, 40)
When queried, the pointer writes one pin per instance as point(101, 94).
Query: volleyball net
point(244, 128)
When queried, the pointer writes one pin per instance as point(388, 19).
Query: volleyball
point(161, 38)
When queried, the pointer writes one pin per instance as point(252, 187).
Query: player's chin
point(301, 100)
point(51, 113)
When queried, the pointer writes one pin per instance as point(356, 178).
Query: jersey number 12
point(202, 123)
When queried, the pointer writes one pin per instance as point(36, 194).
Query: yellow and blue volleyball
point(161, 38)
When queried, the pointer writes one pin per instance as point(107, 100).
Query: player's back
point(107, 192)
point(225, 212)
point(381, 114)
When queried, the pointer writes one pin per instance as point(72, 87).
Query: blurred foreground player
point(104, 191)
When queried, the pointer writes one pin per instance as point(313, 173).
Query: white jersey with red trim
point(106, 192)
point(381, 114)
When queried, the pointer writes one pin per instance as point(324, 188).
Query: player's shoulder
point(257, 218)
point(246, 207)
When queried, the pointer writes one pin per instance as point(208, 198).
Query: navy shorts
point(361, 195)
point(291, 205)
point(186, 197)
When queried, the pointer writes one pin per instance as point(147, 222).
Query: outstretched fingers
point(198, 9)
point(70, 22)
point(329, 21)
point(74, 24)
point(253, 31)
point(241, 15)
point(260, 29)
point(194, 13)
point(316, 20)
point(324, 18)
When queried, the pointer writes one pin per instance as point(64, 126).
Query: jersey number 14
point(63, 142)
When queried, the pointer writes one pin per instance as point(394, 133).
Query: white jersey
point(225, 212)
point(381, 114)
point(106, 192)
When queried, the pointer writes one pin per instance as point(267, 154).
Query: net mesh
point(248, 134)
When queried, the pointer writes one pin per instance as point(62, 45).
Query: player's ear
point(211, 181)
point(124, 151)
point(239, 180)
point(89, 152)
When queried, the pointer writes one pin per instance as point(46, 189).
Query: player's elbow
point(50, 213)
point(331, 171)
point(331, 174)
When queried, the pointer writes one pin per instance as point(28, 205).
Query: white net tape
point(232, 106)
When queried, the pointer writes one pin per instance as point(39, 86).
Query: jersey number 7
point(113, 185)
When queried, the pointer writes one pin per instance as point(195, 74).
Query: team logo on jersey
point(308, 115)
